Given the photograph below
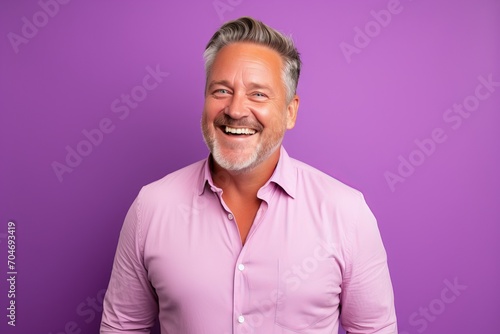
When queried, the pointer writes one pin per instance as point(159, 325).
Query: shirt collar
point(285, 175)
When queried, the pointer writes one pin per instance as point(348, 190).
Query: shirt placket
point(243, 321)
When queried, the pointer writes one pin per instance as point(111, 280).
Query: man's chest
point(289, 271)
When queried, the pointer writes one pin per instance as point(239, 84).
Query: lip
point(224, 127)
point(237, 136)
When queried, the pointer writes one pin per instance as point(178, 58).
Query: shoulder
point(314, 182)
point(335, 201)
point(173, 186)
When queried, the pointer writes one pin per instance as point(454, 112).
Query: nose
point(237, 107)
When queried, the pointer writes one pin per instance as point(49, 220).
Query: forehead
point(246, 56)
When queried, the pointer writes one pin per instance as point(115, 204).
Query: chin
point(237, 163)
point(240, 162)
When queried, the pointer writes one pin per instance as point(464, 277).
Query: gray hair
point(247, 29)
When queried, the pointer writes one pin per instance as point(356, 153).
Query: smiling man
point(249, 240)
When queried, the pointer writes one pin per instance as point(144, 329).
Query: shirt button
point(241, 319)
point(230, 216)
point(241, 267)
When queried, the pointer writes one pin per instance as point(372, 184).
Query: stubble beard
point(237, 161)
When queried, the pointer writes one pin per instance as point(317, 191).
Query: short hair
point(247, 29)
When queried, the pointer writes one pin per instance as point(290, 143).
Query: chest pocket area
point(309, 292)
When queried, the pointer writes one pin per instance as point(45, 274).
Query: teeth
point(239, 131)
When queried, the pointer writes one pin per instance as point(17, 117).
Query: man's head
point(246, 29)
point(250, 95)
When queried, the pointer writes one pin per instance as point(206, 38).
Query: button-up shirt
point(313, 258)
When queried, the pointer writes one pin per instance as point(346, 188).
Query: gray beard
point(241, 166)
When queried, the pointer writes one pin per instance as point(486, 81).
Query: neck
point(245, 183)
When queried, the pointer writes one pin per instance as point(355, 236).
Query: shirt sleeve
point(130, 304)
point(367, 299)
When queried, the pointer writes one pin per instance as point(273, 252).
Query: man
point(249, 240)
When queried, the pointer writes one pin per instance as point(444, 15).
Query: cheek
point(212, 108)
point(207, 119)
point(269, 115)
point(208, 111)
point(276, 118)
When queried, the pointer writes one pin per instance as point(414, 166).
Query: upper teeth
point(240, 131)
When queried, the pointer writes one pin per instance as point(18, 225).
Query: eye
point(221, 91)
point(259, 95)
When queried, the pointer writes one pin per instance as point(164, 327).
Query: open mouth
point(237, 131)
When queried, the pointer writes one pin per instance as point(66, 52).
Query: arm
point(367, 301)
point(130, 304)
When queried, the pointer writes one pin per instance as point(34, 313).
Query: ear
point(291, 112)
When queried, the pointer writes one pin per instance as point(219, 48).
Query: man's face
point(246, 113)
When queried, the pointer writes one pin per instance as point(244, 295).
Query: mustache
point(225, 120)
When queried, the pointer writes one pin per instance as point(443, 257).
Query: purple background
point(357, 116)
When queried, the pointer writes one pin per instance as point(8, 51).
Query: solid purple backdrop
point(378, 89)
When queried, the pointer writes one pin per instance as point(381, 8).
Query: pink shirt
point(313, 255)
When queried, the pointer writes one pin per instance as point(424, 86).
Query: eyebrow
point(218, 82)
point(252, 85)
